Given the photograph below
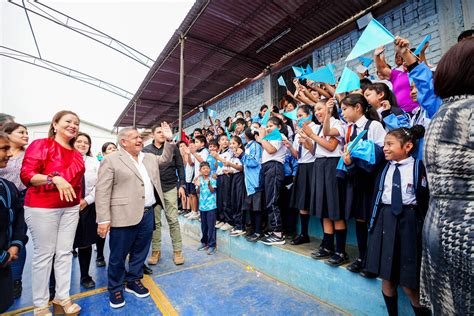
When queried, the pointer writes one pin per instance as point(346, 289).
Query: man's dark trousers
point(133, 240)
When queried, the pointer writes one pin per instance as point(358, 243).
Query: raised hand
point(167, 131)
point(379, 51)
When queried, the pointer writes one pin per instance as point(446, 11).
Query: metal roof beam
point(84, 29)
point(65, 71)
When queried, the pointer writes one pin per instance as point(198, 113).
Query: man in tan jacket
point(127, 190)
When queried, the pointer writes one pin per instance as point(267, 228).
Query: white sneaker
point(188, 215)
point(226, 226)
point(219, 225)
point(195, 215)
point(237, 232)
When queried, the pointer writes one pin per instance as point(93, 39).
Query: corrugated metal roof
point(227, 42)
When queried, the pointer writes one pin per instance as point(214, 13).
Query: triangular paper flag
point(273, 135)
point(265, 118)
point(353, 143)
point(228, 134)
point(175, 138)
point(365, 61)
point(323, 74)
point(291, 115)
point(211, 113)
point(374, 35)
point(298, 71)
point(349, 81)
point(420, 47)
point(332, 67)
point(281, 82)
point(308, 69)
point(361, 69)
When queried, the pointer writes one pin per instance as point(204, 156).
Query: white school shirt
point(407, 182)
point(323, 152)
point(235, 160)
point(376, 132)
point(189, 173)
point(306, 155)
point(226, 155)
point(90, 177)
point(149, 190)
point(203, 153)
point(279, 155)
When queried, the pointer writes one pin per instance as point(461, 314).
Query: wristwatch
point(49, 177)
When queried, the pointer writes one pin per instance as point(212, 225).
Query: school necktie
point(354, 132)
point(300, 151)
point(397, 202)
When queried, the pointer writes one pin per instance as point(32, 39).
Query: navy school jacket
point(421, 190)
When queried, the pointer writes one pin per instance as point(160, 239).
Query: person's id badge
point(423, 182)
point(410, 188)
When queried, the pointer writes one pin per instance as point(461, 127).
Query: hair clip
point(407, 132)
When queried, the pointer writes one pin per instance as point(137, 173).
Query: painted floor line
point(191, 267)
point(28, 309)
point(159, 297)
point(290, 286)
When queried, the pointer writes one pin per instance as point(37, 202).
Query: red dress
point(45, 156)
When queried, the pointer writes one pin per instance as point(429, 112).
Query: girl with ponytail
point(401, 203)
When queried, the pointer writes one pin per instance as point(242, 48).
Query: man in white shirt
point(127, 190)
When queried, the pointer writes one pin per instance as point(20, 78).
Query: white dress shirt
point(149, 190)
point(323, 152)
point(279, 155)
point(375, 133)
point(204, 153)
point(306, 155)
point(227, 156)
point(407, 182)
point(90, 177)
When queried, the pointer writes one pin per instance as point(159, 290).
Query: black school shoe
point(273, 239)
point(355, 266)
point(87, 282)
point(300, 239)
point(147, 270)
point(338, 259)
point(254, 237)
point(367, 274)
point(321, 253)
point(100, 262)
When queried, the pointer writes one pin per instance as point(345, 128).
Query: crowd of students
point(335, 157)
point(312, 169)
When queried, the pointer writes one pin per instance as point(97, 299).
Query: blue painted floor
point(204, 285)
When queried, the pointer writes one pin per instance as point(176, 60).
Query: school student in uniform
point(360, 179)
point(272, 175)
point(213, 147)
point(303, 150)
point(327, 196)
point(380, 97)
point(289, 214)
point(188, 177)
point(206, 189)
point(251, 160)
point(224, 181)
point(198, 154)
point(401, 203)
point(237, 186)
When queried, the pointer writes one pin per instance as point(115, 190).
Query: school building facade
point(444, 20)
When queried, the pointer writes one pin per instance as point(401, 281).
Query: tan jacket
point(120, 192)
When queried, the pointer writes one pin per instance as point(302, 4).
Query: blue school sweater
point(252, 162)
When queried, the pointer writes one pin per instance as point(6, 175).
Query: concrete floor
point(204, 285)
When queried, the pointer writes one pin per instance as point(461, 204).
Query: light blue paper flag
point(332, 67)
point(420, 47)
point(298, 71)
point(291, 115)
point(304, 119)
point(374, 35)
point(228, 134)
point(281, 82)
point(308, 69)
point(323, 74)
point(211, 113)
point(365, 61)
point(364, 150)
point(349, 81)
point(353, 143)
point(175, 138)
point(273, 135)
point(265, 118)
